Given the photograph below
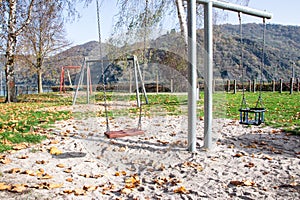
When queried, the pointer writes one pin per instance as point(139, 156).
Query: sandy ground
point(78, 162)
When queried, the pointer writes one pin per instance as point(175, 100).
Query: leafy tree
point(150, 13)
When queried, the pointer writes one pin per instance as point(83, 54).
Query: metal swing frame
point(128, 132)
point(256, 115)
point(134, 131)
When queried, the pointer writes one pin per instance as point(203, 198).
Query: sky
point(85, 29)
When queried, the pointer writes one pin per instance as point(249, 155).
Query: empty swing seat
point(252, 116)
point(123, 133)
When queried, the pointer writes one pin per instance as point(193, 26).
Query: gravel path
point(79, 162)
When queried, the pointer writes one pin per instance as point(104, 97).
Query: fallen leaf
point(125, 191)
point(18, 188)
point(68, 191)
point(42, 162)
point(250, 164)
point(14, 170)
point(163, 142)
point(267, 157)
point(90, 188)
point(79, 191)
point(23, 157)
point(238, 155)
point(175, 181)
point(294, 184)
point(181, 190)
point(3, 186)
point(60, 165)
point(85, 175)
point(248, 183)
point(122, 149)
point(242, 183)
point(236, 183)
point(55, 151)
point(5, 160)
point(69, 179)
point(20, 146)
point(91, 176)
point(54, 185)
point(29, 172)
point(46, 176)
point(160, 180)
point(54, 142)
point(69, 170)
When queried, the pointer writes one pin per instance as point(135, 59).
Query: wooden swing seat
point(123, 133)
point(258, 116)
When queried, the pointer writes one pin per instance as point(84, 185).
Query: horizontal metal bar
point(109, 60)
point(237, 8)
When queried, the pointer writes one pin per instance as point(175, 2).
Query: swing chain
point(262, 66)
point(244, 102)
point(102, 65)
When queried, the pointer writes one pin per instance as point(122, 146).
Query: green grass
point(282, 109)
point(21, 122)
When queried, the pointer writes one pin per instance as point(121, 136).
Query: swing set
point(255, 115)
point(192, 72)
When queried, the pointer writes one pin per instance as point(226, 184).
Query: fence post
point(130, 81)
point(254, 85)
point(249, 85)
point(280, 85)
point(172, 86)
point(297, 84)
point(273, 85)
point(291, 85)
point(157, 84)
point(234, 86)
point(228, 85)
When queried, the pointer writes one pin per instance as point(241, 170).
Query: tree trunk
point(182, 20)
point(10, 51)
point(40, 81)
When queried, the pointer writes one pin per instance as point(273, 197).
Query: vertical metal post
point(228, 85)
point(1, 87)
point(87, 84)
point(138, 101)
point(291, 85)
point(208, 41)
point(234, 86)
point(280, 85)
point(79, 82)
point(192, 75)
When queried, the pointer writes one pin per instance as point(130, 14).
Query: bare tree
point(12, 28)
point(44, 36)
point(15, 16)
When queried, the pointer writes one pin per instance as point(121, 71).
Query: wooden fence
point(293, 85)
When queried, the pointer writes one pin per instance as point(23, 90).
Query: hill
point(281, 50)
point(281, 53)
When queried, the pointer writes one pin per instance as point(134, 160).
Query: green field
point(26, 121)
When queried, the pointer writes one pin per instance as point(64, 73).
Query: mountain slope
point(281, 52)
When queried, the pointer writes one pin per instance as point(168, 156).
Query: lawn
point(27, 122)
